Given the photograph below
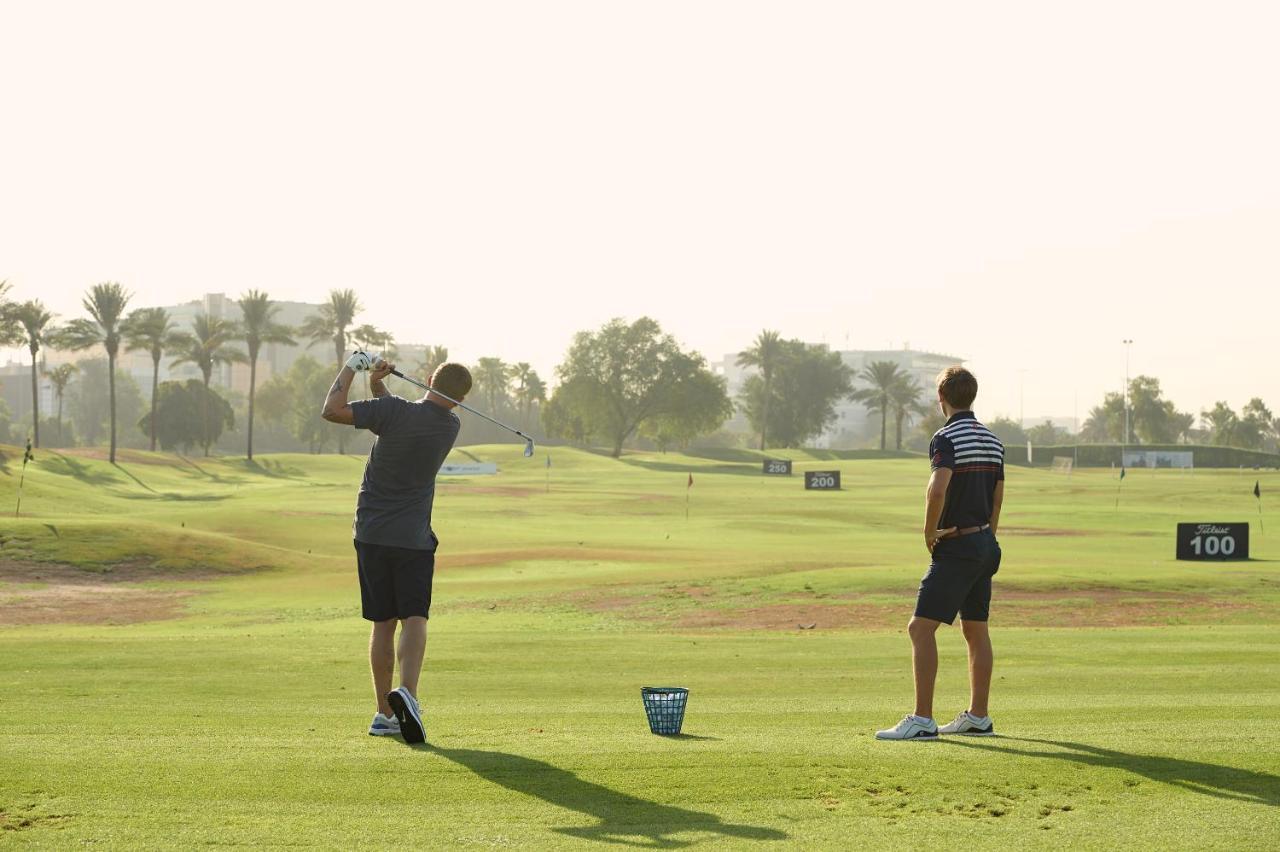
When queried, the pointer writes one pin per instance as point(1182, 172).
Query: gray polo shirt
point(394, 505)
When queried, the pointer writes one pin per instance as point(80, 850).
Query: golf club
point(528, 442)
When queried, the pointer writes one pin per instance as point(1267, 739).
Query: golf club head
point(528, 449)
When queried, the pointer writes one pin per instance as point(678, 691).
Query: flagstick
point(17, 509)
point(1261, 526)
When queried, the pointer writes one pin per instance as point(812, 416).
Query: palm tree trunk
point(35, 400)
point(898, 426)
point(204, 415)
point(111, 393)
point(60, 441)
point(253, 384)
point(155, 389)
point(764, 415)
point(884, 422)
point(339, 347)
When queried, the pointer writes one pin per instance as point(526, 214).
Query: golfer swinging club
point(962, 511)
point(395, 547)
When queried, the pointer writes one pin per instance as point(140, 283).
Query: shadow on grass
point(1209, 779)
point(123, 470)
point(68, 466)
point(621, 818)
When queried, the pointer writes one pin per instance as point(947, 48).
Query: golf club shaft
point(463, 406)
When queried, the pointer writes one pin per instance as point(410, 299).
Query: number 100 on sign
point(1213, 541)
point(822, 480)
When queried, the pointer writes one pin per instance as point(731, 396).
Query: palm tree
point(105, 303)
point(492, 375)
point(432, 357)
point(206, 347)
point(154, 331)
point(881, 376)
point(905, 399)
point(533, 393)
point(331, 322)
point(257, 327)
point(766, 355)
point(33, 320)
point(60, 377)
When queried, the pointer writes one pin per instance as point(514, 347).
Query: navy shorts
point(959, 578)
point(395, 582)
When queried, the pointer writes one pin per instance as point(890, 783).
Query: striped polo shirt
point(975, 457)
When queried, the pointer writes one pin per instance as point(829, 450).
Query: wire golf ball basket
point(664, 705)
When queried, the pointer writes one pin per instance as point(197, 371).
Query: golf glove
point(361, 361)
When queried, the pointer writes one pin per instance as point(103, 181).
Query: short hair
point(958, 387)
point(453, 380)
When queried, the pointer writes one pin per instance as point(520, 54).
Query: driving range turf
point(182, 660)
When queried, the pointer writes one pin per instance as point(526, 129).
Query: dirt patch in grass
point(55, 593)
point(701, 608)
point(580, 553)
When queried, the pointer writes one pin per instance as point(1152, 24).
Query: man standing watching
point(395, 545)
point(962, 512)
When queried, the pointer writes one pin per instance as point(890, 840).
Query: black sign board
point(777, 467)
point(1213, 541)
point(822, 480)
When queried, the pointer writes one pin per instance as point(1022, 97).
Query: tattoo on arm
point(337, 386)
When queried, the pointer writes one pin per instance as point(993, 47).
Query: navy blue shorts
point(395, 582)
point(959, 578)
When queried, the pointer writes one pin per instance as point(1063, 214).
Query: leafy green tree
point(766, 355)
point(207, 346)
point(34, 322)
point(1257, 425)
point(1222, 423)
point(152, 330)
point(292, 400)
point(807, 383)
point(105, 304)
point(1105, 423)
point(89, 408)
point(187, 414)
point(881, 377)
point(1154, 419)
point(60, 376)
point(701, 408)
point(1010, 432)
point(1047, 434)
point(619, 378)
point(258, 326)
point(928, 426)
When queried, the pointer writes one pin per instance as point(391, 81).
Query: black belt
point(967, 531)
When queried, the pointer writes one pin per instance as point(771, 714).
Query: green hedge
point(1107, 455)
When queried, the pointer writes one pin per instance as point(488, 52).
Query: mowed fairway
point(182, 661)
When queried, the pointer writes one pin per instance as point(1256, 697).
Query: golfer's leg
point(981, 661)
point(382, 661)
point(413, 646)
point(924, 661)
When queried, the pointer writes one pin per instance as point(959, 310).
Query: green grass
point(1138, 697)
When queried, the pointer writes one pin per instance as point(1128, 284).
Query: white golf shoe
point(384, 726)
point(969, 725)
point(911, 728)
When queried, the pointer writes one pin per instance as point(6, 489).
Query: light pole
point(1124, 441)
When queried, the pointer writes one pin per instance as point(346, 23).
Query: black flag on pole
point(1257, 489)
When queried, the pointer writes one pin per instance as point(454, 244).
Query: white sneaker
point(970, 725)
point(911, 728)
point(384, 726)
point(406, 707)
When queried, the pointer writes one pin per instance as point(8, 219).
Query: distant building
point(854, 425)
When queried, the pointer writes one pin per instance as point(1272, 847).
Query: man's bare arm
point(997, 501)
point(934, 500)
point(336, 408)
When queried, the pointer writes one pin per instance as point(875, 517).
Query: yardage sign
point(1213, 541)
point(822, 480)
point(777, 467)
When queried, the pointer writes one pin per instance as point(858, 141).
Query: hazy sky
point(1021, 184)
